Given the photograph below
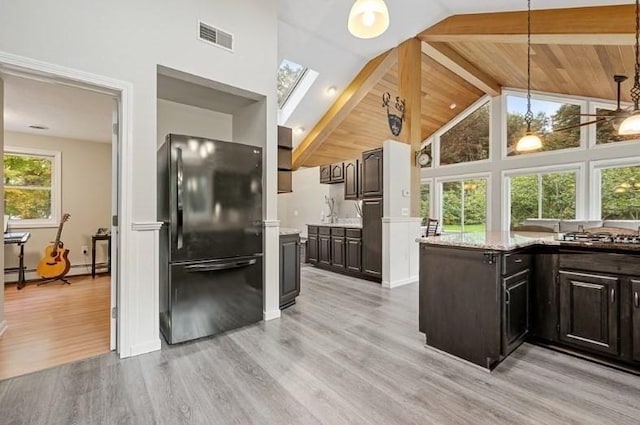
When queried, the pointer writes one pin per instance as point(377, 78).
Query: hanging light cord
point(529, 115)
point(635, 91)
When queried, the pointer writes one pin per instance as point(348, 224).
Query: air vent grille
point(215, 36)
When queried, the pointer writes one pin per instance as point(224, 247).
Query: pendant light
point(631, 124)
point(368, 18)
point(530, 141)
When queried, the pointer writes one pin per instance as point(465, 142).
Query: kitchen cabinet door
point(589, 311)
point(372, 237)
point(324, 249)
point(635, 316)
point(325, 174)
point(515, 319)
point(337, 172)
point(338, 252)
point(351, 177)
point(312, 248)
point(289, 269)
point(354, 254)
point(372, 174)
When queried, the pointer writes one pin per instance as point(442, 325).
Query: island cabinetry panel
point(589, 306)
point(289, 270)
point(635, 318)
point(515, 321)
point(544, 295)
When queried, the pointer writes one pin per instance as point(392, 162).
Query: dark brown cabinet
point(589, 305)
point(325, 174)
point(285, 147)
point(354, 254)
point(372, 178)
point(338, 251)
point(289, 270)
point(372, 237)
point(515, 320)
point(351, 180)
point(635, 318)
point(324, 249)
point(337, 173)
point(312, 245)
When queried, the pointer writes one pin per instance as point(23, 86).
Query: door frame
point(122, 92)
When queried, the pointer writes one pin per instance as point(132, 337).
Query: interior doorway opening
point(61, 183)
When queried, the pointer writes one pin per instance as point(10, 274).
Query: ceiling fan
point(614, 117)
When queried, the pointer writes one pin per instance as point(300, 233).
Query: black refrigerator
point(210, 204)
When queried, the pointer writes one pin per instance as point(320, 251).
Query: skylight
point(289, 75)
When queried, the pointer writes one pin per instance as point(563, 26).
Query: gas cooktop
point(601, 237)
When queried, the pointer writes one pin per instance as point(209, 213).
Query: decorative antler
point(395, 121)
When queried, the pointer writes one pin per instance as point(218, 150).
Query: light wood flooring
point(348, 352)
point(53, 324)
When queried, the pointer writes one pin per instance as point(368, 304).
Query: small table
point(95, 238)
point(20, 239)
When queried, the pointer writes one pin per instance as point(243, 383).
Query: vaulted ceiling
point(575, 51)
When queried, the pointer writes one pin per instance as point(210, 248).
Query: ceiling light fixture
point(631, 124)
point(299, 130)
point(453, 106)
point(530, 141)
point(331, 91)
point(39, 127)
point(368, 18)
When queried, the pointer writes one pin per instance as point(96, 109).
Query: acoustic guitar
point(55, 263)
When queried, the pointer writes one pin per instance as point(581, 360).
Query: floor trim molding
point(3, 327)
point(145, 347)
point(398, 283)
point(271, 315)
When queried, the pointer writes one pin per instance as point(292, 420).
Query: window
point(425, 202)
point(289, 75)
point(620, 193)
point(543, 195)
point(606, 133)
point(468, 140)
point(464, 205)
point(549, 117)
point(31, 187)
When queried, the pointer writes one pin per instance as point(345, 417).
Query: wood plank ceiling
point(574, 51)
point(366, 126)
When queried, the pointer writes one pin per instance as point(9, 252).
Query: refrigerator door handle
point(180, 208)
point(197, 268)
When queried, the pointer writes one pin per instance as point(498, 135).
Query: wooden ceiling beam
point(366, 79)
point(602, 25)
point(456, 63)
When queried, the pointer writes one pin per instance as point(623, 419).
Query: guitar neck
point(57, 242)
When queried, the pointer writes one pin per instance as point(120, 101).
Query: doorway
point(65, 135)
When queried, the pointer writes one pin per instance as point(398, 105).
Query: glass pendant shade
point(529, 142)
point(631, 124)
point(368, 18)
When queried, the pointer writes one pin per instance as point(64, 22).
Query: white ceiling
point(68, 112)
point(314, 34)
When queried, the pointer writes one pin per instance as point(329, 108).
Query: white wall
point(305, 203)
point(177, 118)
point(86, 195)
point(127, 40)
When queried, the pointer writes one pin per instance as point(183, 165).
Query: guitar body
point(55, 262)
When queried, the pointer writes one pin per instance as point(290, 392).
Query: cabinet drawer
point(354, 233)
point(516, 262)
point(313, 230)
point(324, 230)
point(600, 262)
point(337, 231)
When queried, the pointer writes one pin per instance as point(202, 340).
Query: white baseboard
point(76, 270)
point(270, 315)
point(145, 347)
point(399, 283)
point(3, 327)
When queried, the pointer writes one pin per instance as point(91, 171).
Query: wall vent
point(215, 36)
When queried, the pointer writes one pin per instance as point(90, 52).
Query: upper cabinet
point(352, 179)
point(285, 147)
point(333, 173)
point(325, 174)
point(372, 173)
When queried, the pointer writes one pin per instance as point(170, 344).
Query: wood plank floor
point(347, 353)
point(53, 324)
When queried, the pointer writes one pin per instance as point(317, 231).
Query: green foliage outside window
point(620, 193)
point(605, 133)
point(289, 74)
point(27, 186)
point(468, 140)
point(464, 206)
point(424, 202)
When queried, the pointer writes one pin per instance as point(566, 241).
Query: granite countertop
point(289, 231)
point(345, 225)
point(508, 241)
point(498, 241)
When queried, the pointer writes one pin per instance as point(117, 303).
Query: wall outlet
point(85, 249)
point(405, 212)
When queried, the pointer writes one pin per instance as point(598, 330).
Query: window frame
point(595, 170)
point(429, 182)
point(507, 175)
point(574, 100)
point(438, 204)
point(56, 187)
point(436, 146)
point(593, 143)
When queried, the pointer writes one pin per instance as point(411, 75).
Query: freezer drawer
point(210, 297)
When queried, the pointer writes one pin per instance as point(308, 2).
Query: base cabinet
point(312, 248)
point(289, 270)
point(635, 318)
point(354, 254)
point(589, 306)
point(515, 321)
point(324, 249)
point(338, 252)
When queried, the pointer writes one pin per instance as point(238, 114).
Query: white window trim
point(595, 170)
point(428, 182)
point(296, 95)
point(582, 102)
point(56, 188)
point(593, 105)
point(438, 199)
point(581, 192)
point(435, 147)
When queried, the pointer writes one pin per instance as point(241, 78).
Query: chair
point(432, 227)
